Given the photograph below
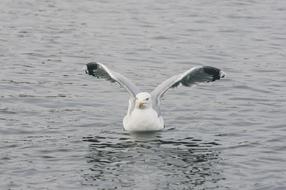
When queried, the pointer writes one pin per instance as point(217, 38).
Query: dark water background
point(61, 129)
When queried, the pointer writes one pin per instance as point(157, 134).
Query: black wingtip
point(214, 72)
point(90, 68)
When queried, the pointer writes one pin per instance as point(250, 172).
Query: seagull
point(143, 112)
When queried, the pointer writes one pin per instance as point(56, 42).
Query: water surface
point(61, 129)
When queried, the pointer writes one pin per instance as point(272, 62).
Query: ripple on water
point(150, 161)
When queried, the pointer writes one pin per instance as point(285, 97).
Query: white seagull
point(144, 108)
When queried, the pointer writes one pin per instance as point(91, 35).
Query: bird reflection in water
point(149, 161)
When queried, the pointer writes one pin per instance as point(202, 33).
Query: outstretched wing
point(192, 76)
point(99, 70)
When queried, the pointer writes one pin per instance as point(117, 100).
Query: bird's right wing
point(99, 70)
point(190, 77)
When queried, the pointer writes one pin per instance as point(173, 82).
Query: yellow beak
point(141, 105)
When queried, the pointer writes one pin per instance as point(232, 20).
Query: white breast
point(143, 120)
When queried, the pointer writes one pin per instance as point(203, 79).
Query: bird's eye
point(147, 99)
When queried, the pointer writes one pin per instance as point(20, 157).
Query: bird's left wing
point(99, 70)
point(190, 77)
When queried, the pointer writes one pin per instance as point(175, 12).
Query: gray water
point(62, 129)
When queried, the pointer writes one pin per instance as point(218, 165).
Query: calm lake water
point(62, 129)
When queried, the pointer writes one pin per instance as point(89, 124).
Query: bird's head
point(143, 100)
